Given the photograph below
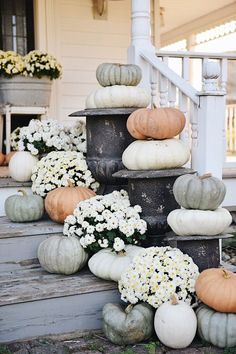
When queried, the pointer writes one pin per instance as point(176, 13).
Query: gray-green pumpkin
point(217, 328)
point(194, 192)
point(23, 207)
point(109, 74)
point(130, 325)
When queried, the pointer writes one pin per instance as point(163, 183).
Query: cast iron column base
point(153, 191)
point(204, 250)
point(107, 138)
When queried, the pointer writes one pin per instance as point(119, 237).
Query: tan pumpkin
point(156, 123)
point(2, 159)
point(8, 157)
point(216, 287)
point(62, 201)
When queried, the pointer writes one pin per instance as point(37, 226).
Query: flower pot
point(25, 91)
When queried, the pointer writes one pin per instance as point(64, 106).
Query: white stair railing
point(204, 110)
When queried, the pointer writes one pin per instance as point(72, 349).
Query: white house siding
point(81, 43)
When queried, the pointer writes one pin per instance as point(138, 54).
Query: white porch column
point(211, 115)
point(140, 37)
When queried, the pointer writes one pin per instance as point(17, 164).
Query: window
point(17, 26)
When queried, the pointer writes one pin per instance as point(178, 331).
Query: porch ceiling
point(181, 14)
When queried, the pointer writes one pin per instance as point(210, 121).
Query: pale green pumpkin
point(23, 207)
point(109, 74)
point(217, 328)
point(128, 326)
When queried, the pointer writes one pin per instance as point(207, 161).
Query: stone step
point(36, 303)
point(9, 187)
point(19, 241)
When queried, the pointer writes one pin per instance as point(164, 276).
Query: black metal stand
point(107, 138)
point(153, 191)
point(204, 250)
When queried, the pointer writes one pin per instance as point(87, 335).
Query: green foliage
point(4, 350)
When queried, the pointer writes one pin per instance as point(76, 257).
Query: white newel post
point(210, 124)
point(140, 37)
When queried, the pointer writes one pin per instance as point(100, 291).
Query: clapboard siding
point(81, 43)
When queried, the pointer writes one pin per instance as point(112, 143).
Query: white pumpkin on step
point(175, 323)
point(109, 265)
point(21, 164)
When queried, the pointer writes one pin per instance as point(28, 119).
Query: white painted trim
point(40, 24)
point(175, 79)
point(201, 24)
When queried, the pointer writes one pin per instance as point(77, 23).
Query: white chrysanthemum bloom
point(105, 217)
point(157, 273)
point(59, 168)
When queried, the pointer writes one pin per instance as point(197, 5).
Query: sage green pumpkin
point(62, 254)
point(217, 328)
point(194, 192)
point(109, 74)
point(23, 207)
point(130, 325)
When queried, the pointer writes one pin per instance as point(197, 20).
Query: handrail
point(175, 79)
point(198, 55)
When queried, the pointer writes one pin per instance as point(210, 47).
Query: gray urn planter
point(25, 91)
point(107, 138)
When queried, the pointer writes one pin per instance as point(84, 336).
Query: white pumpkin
point(109, 265)
point(118, 96)
point(175, 324)
point(21, 164)
point(199, 222)
point(155, 154)
point(62, 254)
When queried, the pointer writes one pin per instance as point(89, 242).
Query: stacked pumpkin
point(119, 89)
point(216, 316)
point(155, 148)
point(200, 198)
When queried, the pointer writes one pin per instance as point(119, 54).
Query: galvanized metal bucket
point(25, 91)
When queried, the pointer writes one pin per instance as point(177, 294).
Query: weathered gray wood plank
point(12, 229)
point(54, 316)
point(9, 182)
point(37, 284)
point(15, 252)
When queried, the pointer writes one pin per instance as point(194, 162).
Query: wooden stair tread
point(6, 182)
point(12, 229)
point(36, 284)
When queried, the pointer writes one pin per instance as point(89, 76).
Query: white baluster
point(193, 114)
point(230, 129)
point(172, 95)
point(185, 69)
point(183, 106)
point(234, 129)
point(153, 81)
point(163, 87)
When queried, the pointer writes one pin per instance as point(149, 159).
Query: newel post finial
point(211, 74)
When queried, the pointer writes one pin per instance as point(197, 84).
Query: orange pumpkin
point(216, 287)
point(62, 201)
point(2, 159)
point(155, 123)
point(8, 157)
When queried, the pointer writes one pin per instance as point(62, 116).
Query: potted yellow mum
point(27, 80)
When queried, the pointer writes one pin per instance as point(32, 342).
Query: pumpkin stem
point(153, 106)
point(129, 308)
point(174, 299)
point(24, 194)
point(226, 275)
point(121, 253)
point(206, 175)
point(70, 183)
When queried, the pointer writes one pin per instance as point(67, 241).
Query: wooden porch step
point(35, 303)
point(19, 241)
